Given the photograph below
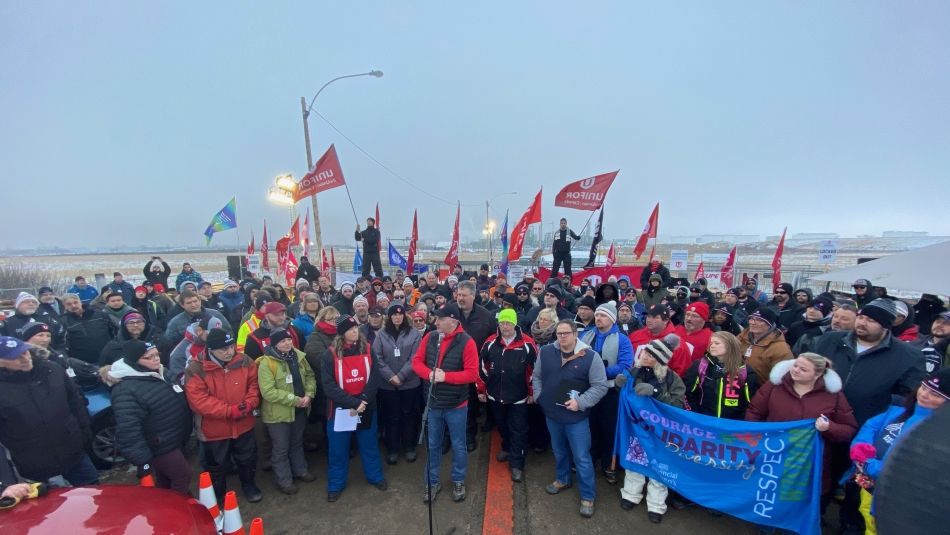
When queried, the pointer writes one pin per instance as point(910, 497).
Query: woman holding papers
point(349, 376)
point(287, 386)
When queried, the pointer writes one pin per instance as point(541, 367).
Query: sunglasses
point(780, 292)
point(859, 287)
point(522, 293)
point(695, 291)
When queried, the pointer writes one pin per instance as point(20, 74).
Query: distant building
point(729, 238)
point(815, 236)
point(904, 234)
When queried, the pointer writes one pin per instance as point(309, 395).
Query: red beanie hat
point(700, 308)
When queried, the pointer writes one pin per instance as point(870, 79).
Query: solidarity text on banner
point(765, 473)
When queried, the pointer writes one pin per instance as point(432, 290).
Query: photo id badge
point(289, 379)
point(396, 352)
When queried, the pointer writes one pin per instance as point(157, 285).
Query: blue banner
point(396, 259)
point(357, 261)
point(503, 267)
point(766, 473)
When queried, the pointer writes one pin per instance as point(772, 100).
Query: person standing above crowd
point(561, 248)
point(307, 271)
point(566, 394)
point(371, 245)
point(188, 274)
point(26, 309)
point(152, 418)
point(507, 361)
point(719, 384)
point(85, 292)
point(350, 379)
point(400, 390)
point(221, 388)
point(652, 377)
point(763, 344)
point(157, 271)
point(806, 388)
point(288, 386)
point(37, 393)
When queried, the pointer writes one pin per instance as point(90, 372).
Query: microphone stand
point(424, 433)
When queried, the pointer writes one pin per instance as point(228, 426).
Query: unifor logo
point(588, 183)
point(354, 372)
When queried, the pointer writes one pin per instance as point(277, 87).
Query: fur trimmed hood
point(831, 381)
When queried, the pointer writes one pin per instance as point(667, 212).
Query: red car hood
point(109, 510)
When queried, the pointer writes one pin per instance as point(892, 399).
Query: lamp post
point(282, 193)
point(305, 110)
point(490, 225)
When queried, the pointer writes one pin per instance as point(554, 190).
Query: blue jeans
point(339, 463)
point(568, 439)
point(455, 419)
point(84, 473)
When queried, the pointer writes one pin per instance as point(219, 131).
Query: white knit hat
point(24, 296)
point(609, 309)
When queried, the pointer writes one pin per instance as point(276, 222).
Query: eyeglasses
point(860, 287)
point(419, 320)
point(565, 333)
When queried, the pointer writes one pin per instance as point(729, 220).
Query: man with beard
point(26, 309)
point(344, 302)
point(935, 347)
point(193, 310)
point(479, 324)
point(361, 309)
point(785, 308)
point(523, 304)
point(863, 292)
point(275, 318)
point(694, 333)
point(552, 300)
point(50, 303)
point(88, 331)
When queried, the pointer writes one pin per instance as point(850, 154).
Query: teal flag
point(225, 219)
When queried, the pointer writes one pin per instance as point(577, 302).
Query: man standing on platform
point(561, 248)
point(370, 238)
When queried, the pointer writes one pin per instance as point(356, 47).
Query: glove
point(862, 452)
point(644, 389)
point(620, 380)
point(235, 412)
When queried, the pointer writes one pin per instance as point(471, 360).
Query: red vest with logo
point(352, 372)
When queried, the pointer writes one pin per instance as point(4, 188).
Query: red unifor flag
point(265, 259)
point(452, 258)
point(700, 272)
point(290, 270)
point(611, 256)
point(728, 273)
point(777, 261)
point(411, 261)
point(250, 250)
point(531, 215)
point(326, 174)
point(586, 194)
point(377, 228)
point(649, 231)
point(282, 248)
point(294, 233)
point(324, 264)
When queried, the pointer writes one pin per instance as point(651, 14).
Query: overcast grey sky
point(128, 123)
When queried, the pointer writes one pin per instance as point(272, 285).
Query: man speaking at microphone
point(447, 361)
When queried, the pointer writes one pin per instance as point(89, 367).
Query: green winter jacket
point(279, 401)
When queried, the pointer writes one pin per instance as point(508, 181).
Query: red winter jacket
point(214, 393)
point(776, 401)
point(682, 358)
point(699, 341)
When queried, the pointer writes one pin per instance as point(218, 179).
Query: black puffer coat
point(87, 335)
point(42, 415)
point(152, 416)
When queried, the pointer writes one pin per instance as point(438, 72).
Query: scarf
point(542, 336)
point(326, 328)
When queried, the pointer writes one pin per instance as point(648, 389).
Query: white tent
point(925, 270)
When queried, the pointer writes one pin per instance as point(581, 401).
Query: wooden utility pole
point(318, 235)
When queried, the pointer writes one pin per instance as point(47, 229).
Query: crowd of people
point(390, 357)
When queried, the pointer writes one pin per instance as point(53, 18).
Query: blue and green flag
point(225, 219)
point(503, 268)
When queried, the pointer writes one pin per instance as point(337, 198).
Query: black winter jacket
point(506, 370)
point(479, 324)
point(42, 414)
point(370, 239)
point(86, 336)
point(152, 415)
point(12, 325)
point(892, 367)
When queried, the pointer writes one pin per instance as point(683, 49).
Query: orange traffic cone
point(207, 498)
point(257, 526)
point(147, 481)
point(232, 516)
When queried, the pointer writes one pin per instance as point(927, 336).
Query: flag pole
point(347, 186)
point(591, 216)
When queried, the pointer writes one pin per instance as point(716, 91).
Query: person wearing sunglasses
point(786, 308)
point(863, 292)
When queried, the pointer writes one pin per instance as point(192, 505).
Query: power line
point(386, 167)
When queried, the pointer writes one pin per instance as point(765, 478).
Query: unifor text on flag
point(586, 194)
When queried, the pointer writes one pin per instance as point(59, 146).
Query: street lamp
point(305, 109)
point(490, 225)
point(282, 193)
